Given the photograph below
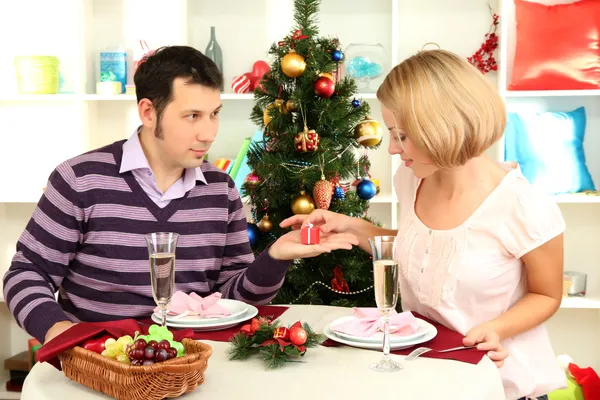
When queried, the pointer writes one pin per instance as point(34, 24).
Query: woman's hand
point(290, 246)
point(486, 338)
point(327, 221)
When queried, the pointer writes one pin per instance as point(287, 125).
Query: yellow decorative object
point(293, 64)
point(368, 132)
point(290, 105)
point(303, 204)
point(265, 224)
point(280, 104)
point(37, 74)
point(109, 87)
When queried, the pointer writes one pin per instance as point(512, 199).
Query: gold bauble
point(368, 132)
point(326, 75)
point(303, 204)
point(293, 64)
point(290, 105)
point(265, 224)
point(280, 104)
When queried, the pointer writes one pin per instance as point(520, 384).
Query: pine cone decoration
point(322, 193)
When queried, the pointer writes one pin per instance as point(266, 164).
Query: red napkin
point(446, 338)
point(84, 331)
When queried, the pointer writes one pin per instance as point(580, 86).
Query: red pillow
point(557, 47)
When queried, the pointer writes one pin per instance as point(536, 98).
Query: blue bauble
point(366, 189)
point(337, 56)
point(355, 103)
point(339, 193)
point(253, 234)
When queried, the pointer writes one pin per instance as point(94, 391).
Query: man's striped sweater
point(86, 241)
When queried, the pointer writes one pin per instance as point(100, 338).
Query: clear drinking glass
point(385, 281)
point(161, 249)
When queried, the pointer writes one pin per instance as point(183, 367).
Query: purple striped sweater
point(86, 241)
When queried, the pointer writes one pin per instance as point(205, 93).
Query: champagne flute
point(161, 249)
point(385, 282)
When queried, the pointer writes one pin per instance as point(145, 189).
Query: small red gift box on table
point(310, 234)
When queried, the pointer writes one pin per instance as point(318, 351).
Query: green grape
point(123, 359)
point(168, 335)
point(109, 342)
point(153, 330)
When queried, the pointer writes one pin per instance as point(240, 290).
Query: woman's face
point(401, 144)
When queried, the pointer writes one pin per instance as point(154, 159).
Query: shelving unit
point(40, 131)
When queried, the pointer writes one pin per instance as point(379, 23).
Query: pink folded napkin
point(367, 322)
point(193, 304)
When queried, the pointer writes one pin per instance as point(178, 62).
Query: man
point(86, 236)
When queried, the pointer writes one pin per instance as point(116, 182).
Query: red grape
point(140, 344)
point(136, 362)
point(137, 354)
point(149, 352)
point(164, 344)
point(161, 355)
point(172, 353)
point(153, 343)
point(147, 362)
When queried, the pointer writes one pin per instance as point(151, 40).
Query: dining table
point(325, 372)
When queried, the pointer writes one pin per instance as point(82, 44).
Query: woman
point(480, 250)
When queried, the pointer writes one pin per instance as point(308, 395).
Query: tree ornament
point(355, 103)
point(252, 180)
point(339, 193)
point(282, 333)
point(303, 204)
point(298, 335)
point(322, 192)
point(265, 224)
point(308, 140)
point(324, 86)
point(337, 56)
point(338, 282)
point(293, 64)
point(366, 189)
point(368, 132)
point(290, 105)
point(280, 104)
point(253, 234)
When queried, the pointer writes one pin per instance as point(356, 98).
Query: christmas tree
point(315, 137)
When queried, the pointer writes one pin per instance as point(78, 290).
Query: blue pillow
point(549, 149)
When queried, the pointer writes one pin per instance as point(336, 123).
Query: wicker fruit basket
point(166, 379)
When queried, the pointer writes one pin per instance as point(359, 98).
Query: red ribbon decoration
point(296, 36)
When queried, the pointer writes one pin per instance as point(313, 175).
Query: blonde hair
point(446, 106)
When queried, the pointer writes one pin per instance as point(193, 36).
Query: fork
point(422, 350)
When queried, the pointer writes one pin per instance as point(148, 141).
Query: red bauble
point(298, 335)
point(324, 87)
point(282, 333)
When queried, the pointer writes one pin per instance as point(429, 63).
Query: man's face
point(189, 124)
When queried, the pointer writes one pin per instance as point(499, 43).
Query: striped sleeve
point(242, 277)
point(43, 254)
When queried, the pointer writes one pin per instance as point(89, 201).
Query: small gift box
point(309, 234)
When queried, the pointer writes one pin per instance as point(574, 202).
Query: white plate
point(422, 328)
point(217, 325)
point(429, 334)
point(235, 308)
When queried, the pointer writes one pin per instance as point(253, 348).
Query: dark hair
point(155, 74)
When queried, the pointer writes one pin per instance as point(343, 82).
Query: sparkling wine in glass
point(385, 282)
point(161, 249)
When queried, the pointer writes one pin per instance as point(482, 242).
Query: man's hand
point(290, 247)
point(57, 329)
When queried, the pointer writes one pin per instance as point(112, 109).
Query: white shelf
point(550, 93)
point(576, 198)
point(585, 302)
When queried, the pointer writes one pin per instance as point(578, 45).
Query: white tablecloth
point(329, 372)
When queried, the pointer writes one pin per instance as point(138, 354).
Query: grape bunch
point(147, 353)
point(118, 348)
